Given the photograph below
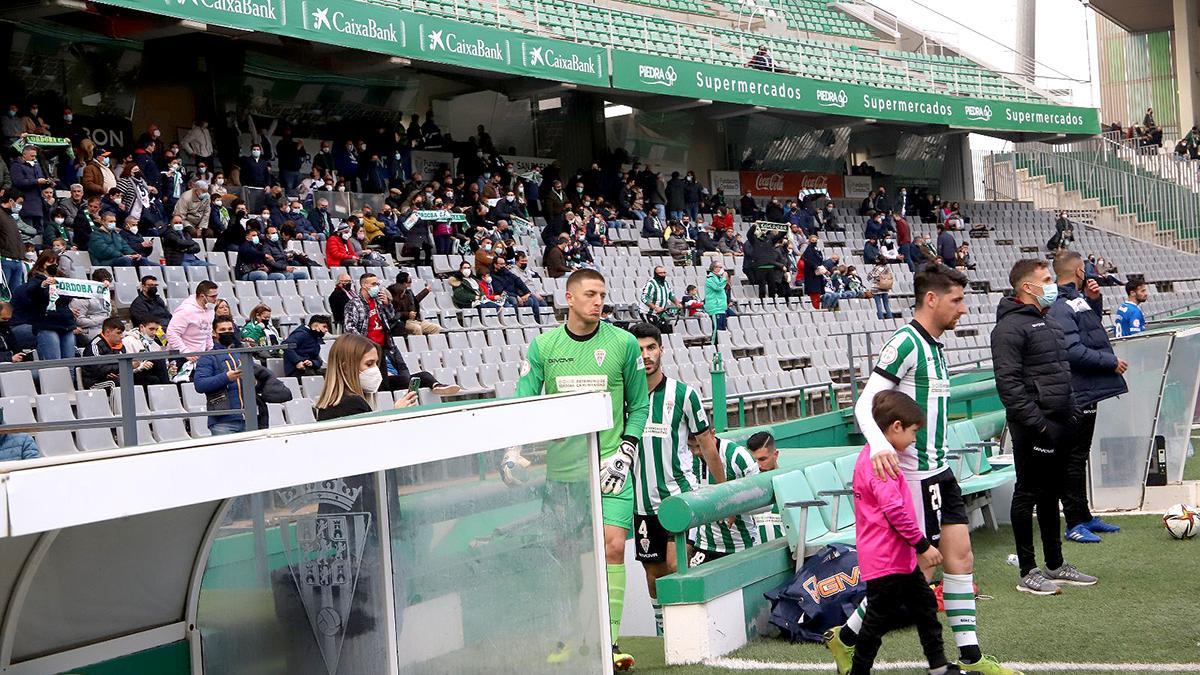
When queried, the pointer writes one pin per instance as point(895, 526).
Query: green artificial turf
point(1191, 468)
point(1146, 608)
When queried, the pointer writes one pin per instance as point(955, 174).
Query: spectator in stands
point(52, 321)
point(178, 246)
point(881, 279)
point(555, 202)
point(256, 169)
point(191, 325)
point(963, 259)
point(827, 218)
point(716, 294)
point(677, 243)
point(338, 251)
point(814, 284)
point(467, 291)
point(10, 351)
point(108, 341)
point(27, 177)
point(195, 205)
point(107, 247)
point(72, 204)
point(830, 291)
point(529, 276)
point(369, 314)
point(947, 247)
point(146, 339)
point(675, 197)
point(762, 60)
point(218, 377)
point(517, 294)
point(408, 306)
point(319, 219)
point(90, 313)
point(352, 380)
point(12, 251)
point(252, 263)
point(692, 191)
point(304, 358)
point(554, 259)
point(138, 241)
point(280, 260)
point(484, 256)
point(16, 445)
point(259, 331)
point(149, 305)
point(1061, 240)
point(66, 266)
point(341, 295)
point(98, 178)
point(1096, 374)
point(198, 143)
point(659, 298)
point(748, 208)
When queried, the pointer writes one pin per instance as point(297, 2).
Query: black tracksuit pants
point(898, 600)
point(1074, 492)
point(1040, 476)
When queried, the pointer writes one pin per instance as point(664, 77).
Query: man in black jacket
point(178, 246)
point(149, 304)
point(111, 341)
point(305, 356)
point(1096, 374)
point(1032, 378)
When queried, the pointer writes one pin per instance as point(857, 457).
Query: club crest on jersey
point(600, 354)
point(525, 367)
point(887, 355)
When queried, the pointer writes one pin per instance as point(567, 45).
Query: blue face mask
point(1048, 296)
point(373, 291)
point(254, 240)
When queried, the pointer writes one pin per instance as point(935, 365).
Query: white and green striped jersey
point(915, 362)
point(769, 524)
point(657, 294)
point(719, 537)
point(665, 465)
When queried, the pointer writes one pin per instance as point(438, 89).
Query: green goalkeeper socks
point(616, 598)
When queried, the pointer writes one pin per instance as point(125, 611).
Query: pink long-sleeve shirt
point(190, 329)
point(885, 523)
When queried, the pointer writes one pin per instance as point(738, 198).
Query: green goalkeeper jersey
point(609, 359)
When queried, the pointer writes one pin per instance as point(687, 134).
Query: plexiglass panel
point(1124, 426)
point(1178, 406)
point(295, 583)
point(480, 576)
point(496, 579)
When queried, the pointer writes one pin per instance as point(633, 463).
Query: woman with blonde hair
point(352, 377)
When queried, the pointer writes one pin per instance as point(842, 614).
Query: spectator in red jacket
point(722, 223)
point(337, 249)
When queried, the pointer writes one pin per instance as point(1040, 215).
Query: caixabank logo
point(319, 18)
point(979, 113)
point(657, 75)
point(827, 98)
point(442, 40)
point(260, 9)
point(547, 57)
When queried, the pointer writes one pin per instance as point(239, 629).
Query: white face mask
point(370, 380)
point(60, 221)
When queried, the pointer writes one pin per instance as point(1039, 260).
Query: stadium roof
point(1137, 16)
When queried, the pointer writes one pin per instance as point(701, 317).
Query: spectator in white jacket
point(198, 143)
point(90, 313)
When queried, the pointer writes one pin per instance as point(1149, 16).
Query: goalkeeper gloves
point(513, 468)
point(615, 470)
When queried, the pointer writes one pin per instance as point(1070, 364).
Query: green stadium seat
point(828, 486)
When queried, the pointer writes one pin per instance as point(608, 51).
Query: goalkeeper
point(589, 355)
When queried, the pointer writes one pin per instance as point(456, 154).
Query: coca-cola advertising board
point(786, 184)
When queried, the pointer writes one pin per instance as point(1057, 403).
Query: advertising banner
point(729, 181)
point(857, 186)
point(788, 184)
point(431, 164)
point(523, 165)
point(644, 72)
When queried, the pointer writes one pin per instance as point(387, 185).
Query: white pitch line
point(746, 664)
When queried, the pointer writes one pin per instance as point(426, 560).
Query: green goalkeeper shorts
point(617, 509)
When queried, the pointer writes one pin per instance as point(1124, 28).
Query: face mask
point(466, 272)
point(274, 237)
point(346, 236)
point(256, 154)
point(68, 118)
point(201, 169)
point(509, 198)
point(362, 236)
point(370, 380)
point(16, 208)
point(254, 239)
point(59, 250)
point(660, 277)
point(579, 190)
point(265, 217)
point(449, 195)
point(1048, 296)
point(487, 247)
point(157, 133)
point(60, 221)
point(117, 201)
point(152, 292)
point(52, 270)
point(12, 113)
point(226, 339)
point(133, 230)
point(104, 161)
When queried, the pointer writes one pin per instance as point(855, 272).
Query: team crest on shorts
point(600, 354)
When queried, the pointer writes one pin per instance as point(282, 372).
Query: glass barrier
point(1125, 425)
point(476, 576)
point(1178, 405)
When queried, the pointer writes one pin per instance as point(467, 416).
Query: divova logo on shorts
point(658, 75)
point(981, 113)
point(832, 99)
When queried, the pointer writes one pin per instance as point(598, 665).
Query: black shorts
point(938, 501)
point(649, 539)
point(700, 556)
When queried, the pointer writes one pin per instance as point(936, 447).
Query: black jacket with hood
point(1033, 376)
